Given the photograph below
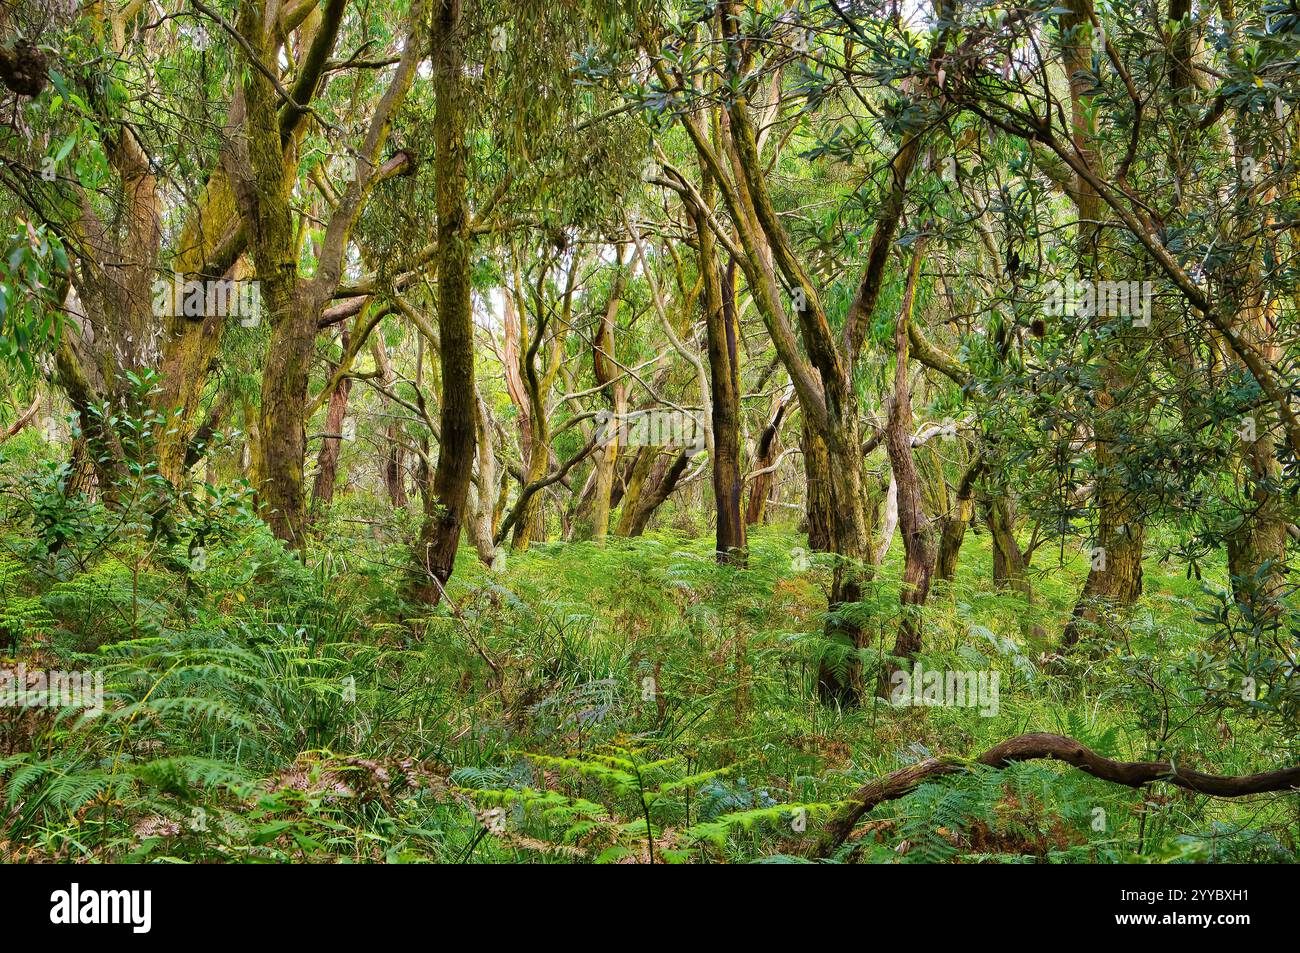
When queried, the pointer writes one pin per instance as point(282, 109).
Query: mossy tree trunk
point(262, 176)
point(954, 527)
point(445, 505)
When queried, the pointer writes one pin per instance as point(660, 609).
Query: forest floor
point(262, 710)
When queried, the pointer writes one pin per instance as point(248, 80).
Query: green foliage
point(31, 263)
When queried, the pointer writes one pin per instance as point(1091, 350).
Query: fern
point(721, 828)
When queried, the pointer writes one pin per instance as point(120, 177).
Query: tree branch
point(1039, 745)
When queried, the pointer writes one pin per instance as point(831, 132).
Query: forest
point(649, 431)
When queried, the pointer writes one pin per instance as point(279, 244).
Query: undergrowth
point(629, 703)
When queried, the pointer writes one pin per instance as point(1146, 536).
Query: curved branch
point(1036, 745)
point(537, 486)
point(23, 420)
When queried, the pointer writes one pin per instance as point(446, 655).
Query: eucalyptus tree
point(140, 140)
point(543, 138)
point(539, 319)
point(263, 188)
point(718, 71)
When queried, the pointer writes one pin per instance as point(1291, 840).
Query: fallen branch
point(1035, 745)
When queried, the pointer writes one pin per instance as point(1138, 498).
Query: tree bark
point(956, 522)
point(765, 455)
point(393, 462)
point(606, 371)
point(479, 527)
point(642, 467)
point(1115, 576)
point(723, 330)
point(1008, 558)
point(817, 505)
point(327, 460)
point(655, 495)
point(1257, 544)
point(445, 506)
point(914, 525)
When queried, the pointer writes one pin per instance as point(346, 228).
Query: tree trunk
point(262, 177)
point(444, 508)
point(603, 486)
point(284, 397)
point(642, 467)
point(840, 679)
point(480, 526)
point(954, 525)
point(327, 461)
point(606, 371)
point(393, 468)
point(914, 525)
point(538, 462)
point(1115, 577)
point(81, 479)
point(765, 455)
point(534, 385)
point(657, 493)
point(817, 513)
point(1257, 546)
point(1008, 559)
point(723, 331)
point(212, 239)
